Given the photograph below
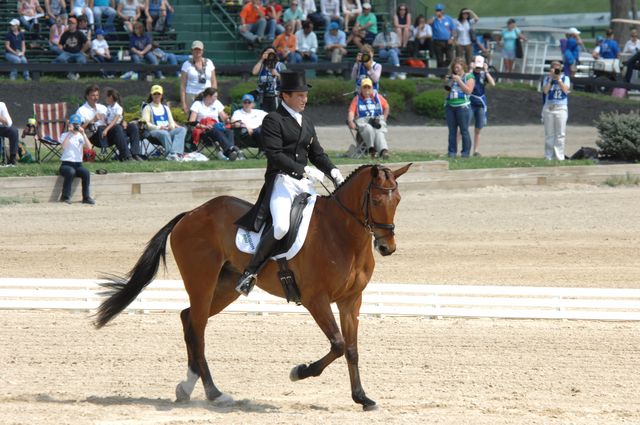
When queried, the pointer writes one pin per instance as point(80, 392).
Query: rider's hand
point(314, 174)
point(337, 176)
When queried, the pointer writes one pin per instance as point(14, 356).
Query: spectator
point(55, 32)
point(444, 32)
point(196, 74)
point(83, 27)
point(330, 10)
point(119, 130)
point(159, 15)
point(366, 67)
point(268, 70)
point(161, 125)
point(140, 45)
point(208, 112)
point(510, 37)
point(100, 51)
point(368, 115)
point(335, 43)
point(478, 99)
point(10, 132)
point(129, 11)
point(73, 44)
point(457, 111)
point(422, 36)
point(307, 44)
point(248, 121)
point(106, 8)
point(388, 45)
point(365, 29)
point(29, 11)
point(168, 57)
point(481, 45)
point(285, 45)
point(274, 20)
point(310, 13)
point(253, 22)
point(595, 53)
point(632, 47)
point(74, 141)
point(293, 14)
point(81, 7)
point(467, 18)
point(555, 111)
point(54, 9)
point(609, 47)
point(402, 25)
point(351, 9)
point(15, 48)
point(571, 51)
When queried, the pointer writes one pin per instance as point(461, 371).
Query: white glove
point(337, 176)
point(314, 174)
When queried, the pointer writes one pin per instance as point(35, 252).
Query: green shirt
point(363, 20)
point(456, 97)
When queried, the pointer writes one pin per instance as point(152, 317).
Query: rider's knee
point(280, 229)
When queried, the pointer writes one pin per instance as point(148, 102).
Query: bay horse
point(334, 265)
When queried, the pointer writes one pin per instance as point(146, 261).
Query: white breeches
point(555, 126)
point(285, 189)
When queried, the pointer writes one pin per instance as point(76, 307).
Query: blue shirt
point(369, 107)
point(340, 38)
point(609, 49)
point(556, 96)
point(15, 41)
point(443, 28)
point(479, 39)
point(139, 42)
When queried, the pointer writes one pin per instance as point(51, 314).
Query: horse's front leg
point(320, 310)
point(349, 311)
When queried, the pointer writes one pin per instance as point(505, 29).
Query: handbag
point(519, 52)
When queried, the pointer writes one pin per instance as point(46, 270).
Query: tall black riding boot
point(260, 257)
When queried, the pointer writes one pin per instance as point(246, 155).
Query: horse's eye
point(375, 202)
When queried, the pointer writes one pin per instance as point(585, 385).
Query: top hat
point(291, 81)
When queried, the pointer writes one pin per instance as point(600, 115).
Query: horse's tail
point(123, 290)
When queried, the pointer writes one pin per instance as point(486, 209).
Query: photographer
point(555, 111)
point(366, 67)
point(268, 70)
point(74, 141)
point(368, 114)
point(457, 106)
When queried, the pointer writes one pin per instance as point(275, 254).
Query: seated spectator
point(351, 9)
point(161, 125)
point(402, 25)
point(368, 115)
point(248, 121)
point(15, 48)
point(168, 57)
point(130, 12)
point(310, 12)
point(366, 67)
point(118, 129)
point(159, 15)
point(104, 8)
point(81, 7)
point(55, 32)
point(100, 51)
point(273, 15)
point(29, 11)
point(140, 45)
point(609, 47)
point(422, 36)
point(74, 142)
point(73, 44)
point(10, 132)
point(330, 10)
point(481, 44)
point(209, 114)
point(632, 47)
point(54, 9)
point(595, 53)
point(196, 74)
point(335, 43)
point(253, 22)
point(307, 44)
point(388, 46)
point(268, 70)
point(293, 14)
point(365, 29)
point(83, 27)
point(94, 122)
point(285, 45)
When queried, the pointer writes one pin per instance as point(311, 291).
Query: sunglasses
point(246, 101)
point(156, 94)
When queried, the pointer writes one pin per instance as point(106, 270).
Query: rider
point(289, 140)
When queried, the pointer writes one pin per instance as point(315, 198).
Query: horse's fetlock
point(337, 347)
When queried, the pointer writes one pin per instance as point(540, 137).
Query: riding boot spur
point(263, 251)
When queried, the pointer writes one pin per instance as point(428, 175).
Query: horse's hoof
point(370, 408)
point(181, 395)
point(293, 375)
point(223, 400)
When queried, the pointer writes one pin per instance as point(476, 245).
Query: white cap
point(479, 62)
point(573, 30)
point(366, 5)
point(14, 22)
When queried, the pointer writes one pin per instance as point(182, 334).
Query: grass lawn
point(523, 7)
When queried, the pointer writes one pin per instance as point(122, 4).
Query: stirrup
point(246, 283)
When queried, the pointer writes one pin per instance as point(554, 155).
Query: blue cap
point(100, 31)
point(248, 97)
point(334, 26)
point(75, 119)
point(599, 38)
point(439, 6)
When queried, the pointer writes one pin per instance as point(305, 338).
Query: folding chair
point(4, 153)
point(51, 121)
point(104, 152)
point(150, 146)
point(359, 148)
point(245, 142)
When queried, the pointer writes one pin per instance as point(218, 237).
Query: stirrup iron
point(246, 283)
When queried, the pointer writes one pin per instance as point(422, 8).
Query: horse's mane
point(353, 173)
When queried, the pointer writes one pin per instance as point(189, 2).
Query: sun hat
point(197, 44)
point(479, 62)
point(366, 82)
point(14, 21)
point(75, 119)
point(573, 30)
point(157, 89)
point(439, 6)
point(334, 26)
point(366, 5)
point(248, 97)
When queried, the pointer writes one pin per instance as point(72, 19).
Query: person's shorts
point(508, 54)
point(479, 117)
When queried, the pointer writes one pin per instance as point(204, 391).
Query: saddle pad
point(247, 241)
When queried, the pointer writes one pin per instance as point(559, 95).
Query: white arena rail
point(522, 302)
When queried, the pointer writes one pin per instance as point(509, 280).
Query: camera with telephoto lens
point(365, 57)
point(76, 127)
point(244, 131)
point(375, 122)
point(271, 60)
point(556, 71)
point(447, 86)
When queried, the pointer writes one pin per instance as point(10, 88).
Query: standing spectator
point(330, 10)
point(402, 25)
point(140, 45)
point(510, 36)
point(457, 110)
point(129, 12)
point(159, 14)
point(268, 70)
point(388, 45)
point(422, 36)
point(100, 51)
point(555, 111)
point(73, 45)
point(55, 32)
point(9, 131)
point(307, 44)
point(285, 45)
point(29, 11)
point(478, 99)
point(571, 51)
point(54, 9)
point(609, 47)
point(481, 45)
point(366, 67)
point(368, 115)
point(253, 22)
point(196, 74)
point(467, 18)
point(444, 33)
point(249, 121)
point(293, 14)
point(106, 8)
point(161, 125)
point(310, 12)
point(632, 47)
point(274, 19)
point(365, 29)
point(118, 129)
point(15, 48)
point(335, 43)
point(81, 7)
point(74, 141)
point(351, 9)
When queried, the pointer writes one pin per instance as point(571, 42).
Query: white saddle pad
point(247, 241)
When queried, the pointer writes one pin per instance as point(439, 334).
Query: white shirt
point(204, 111)
point(422, 33)
point(631, 47)
point(251, 120)
point(4, 113)
point(88, 113)
point(100, 47)
point(294, 114)
point(112, 111)
point(194, 86)
point(308, 7)
point(464, 32)
point(73, 152)
point(306, 43)
point(390, 42)
point(330, 7)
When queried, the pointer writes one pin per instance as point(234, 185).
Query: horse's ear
point(401, 171)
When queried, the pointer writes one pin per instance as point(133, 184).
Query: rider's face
point(296, 100)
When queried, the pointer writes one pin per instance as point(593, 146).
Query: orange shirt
point(285, 43)
point(249, 13)
point(354, 104)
